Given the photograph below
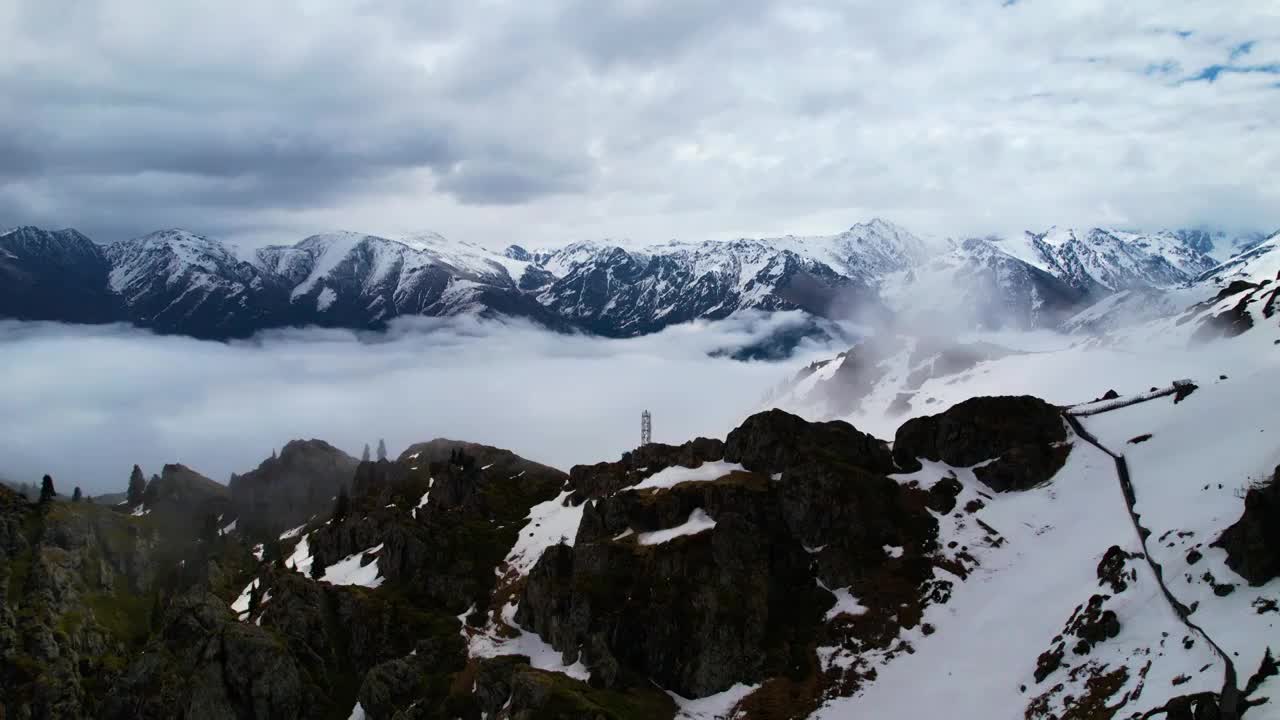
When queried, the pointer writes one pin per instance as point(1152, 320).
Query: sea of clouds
point(85, 403)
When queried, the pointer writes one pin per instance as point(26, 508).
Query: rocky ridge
point(782, 572)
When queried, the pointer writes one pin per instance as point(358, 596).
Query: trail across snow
point(1230, 694)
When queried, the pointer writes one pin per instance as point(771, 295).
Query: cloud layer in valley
point(541, 122)
point(86, 403)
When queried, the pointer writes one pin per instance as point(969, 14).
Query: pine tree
point(364, 456)
point(152, 493)
point(209, 533)
point(382, 449)
point(76, 495)
point(342, 505)
point(317, 568)
point(137, 486)
point(47, 492)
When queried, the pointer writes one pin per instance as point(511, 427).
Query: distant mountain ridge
point(178, 282)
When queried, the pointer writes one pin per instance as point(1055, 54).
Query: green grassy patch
point(568, 697)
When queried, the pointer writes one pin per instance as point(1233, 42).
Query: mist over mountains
point(178, 282)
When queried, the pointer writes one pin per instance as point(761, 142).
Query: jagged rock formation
point(1253, 542)
point(287, 489)
point(632, 605)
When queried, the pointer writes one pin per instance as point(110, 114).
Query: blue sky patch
point(1240, 50)
point(1211, 73)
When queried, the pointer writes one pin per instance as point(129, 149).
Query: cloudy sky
point(543, 122)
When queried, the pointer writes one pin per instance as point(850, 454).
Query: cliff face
point(78, 583)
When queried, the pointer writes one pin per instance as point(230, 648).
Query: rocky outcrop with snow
point(996, 552)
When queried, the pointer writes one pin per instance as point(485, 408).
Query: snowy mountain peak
point(171, 255)
point(1257, 264)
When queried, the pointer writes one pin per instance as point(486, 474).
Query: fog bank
point(86, 403)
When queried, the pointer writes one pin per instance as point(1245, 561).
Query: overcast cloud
point(543, 122)
point(86, 403)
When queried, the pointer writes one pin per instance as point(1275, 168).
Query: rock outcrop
point(205, 664)
point(1253, 542)
point(606, 478)
point(644, 592)
point(1020, 439)
point(774, 440)
point(287, 489)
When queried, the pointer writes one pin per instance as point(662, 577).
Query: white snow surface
point(328, 251)
point(325, 299)
point(712, 707)
point(672, 476)
point(293, 532)
point(1190, 478)
point(846, 603)
point(356, 569)
point(300, 559)
point(549, 523)
point(240, 606)
point(357, 712)
point(489, 643)
point(698, 522)
point(999, 620)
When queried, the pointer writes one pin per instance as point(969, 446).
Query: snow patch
point(673, 476)
point(549, 523)
point(488, 643)
point(711, 707)
point(698, 522)
point(325, 299)
point(356, 570)
point(293, 532)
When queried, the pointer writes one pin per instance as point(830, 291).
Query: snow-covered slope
point(974, 283)
point(1099, 260)
point(1228, 322)
point(174, 279)
point(614, 291)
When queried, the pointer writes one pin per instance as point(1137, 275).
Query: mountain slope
point(993, 556)
point(55, 275)
point(175, 281)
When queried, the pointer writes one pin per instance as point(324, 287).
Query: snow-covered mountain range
point(175, 281)
point(1062, 526)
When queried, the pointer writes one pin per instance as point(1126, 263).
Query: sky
point(86, 403)
point(540, 123)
